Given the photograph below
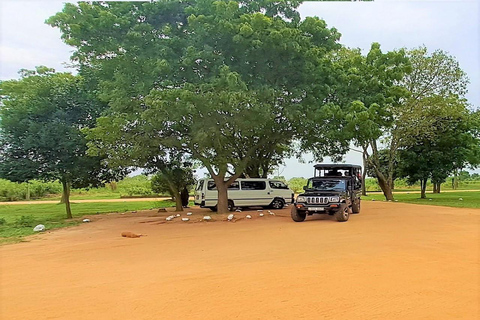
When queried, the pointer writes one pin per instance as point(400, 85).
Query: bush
point(14, 191)
point(2, 221)
point(25, 221)
point(139, 191)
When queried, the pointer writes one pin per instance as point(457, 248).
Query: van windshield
point(326, 185)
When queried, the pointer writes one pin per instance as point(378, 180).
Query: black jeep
point(335, 189)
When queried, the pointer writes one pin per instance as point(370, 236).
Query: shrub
point(2, 221)
point(25, 221)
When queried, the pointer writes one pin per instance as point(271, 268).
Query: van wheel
point(230, 205)
point(343, 214)
point(297, 216)
point(277, 204)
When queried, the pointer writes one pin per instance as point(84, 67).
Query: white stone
point(261, 214)
point(430, 199)
point(271, 213)
point(259, 210)
point(461, 199)
point(248, 216)
point(86, 220)
point(230, 217)
point(238, 210)
point(185, 219)
point(207, 218)
point(189, 213)
point(39, 228)
point(178, 214)
point(168, 218)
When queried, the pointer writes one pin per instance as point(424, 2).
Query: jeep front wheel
point(297, 216)
point(343, 214)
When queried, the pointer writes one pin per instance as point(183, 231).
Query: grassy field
point(448, 199)
point(17, 221)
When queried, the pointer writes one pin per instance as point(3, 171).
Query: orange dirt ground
point(392, 261)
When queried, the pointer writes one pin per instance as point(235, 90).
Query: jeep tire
point(297, 216)
point(343, 214)
point(356, 206)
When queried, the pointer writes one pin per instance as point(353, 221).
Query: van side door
point(254, 193)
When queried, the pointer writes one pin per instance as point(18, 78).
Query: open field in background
point(457, 199)
point(18, 221)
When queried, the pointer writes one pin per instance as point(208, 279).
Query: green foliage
point(224, 82)
point(13, 191)
point(2, 221)
point(25, 221)
point(297, 184)
point(173, 180)
point(41, 118)
point(440, 141)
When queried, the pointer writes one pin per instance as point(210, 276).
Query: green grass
point(448, 199)
point(19, 220)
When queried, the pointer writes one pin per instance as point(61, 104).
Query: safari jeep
point(335, 189)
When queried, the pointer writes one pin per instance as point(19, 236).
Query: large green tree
point(41, 119)
point(367, 93)
point(221, 81)
point(442, 140)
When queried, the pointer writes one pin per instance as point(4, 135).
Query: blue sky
point(452, 26)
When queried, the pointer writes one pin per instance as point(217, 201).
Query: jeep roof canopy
point(337, 170)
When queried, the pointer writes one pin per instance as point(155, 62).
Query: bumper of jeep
point(311, 208)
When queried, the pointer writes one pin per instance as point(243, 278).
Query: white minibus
point(254, 192)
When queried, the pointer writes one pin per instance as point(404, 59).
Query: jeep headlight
point(301, 199)
point(334, 199)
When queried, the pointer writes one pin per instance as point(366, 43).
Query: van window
point(200, 185)
point(278, 185)
point(253, 185)
point(233, 186)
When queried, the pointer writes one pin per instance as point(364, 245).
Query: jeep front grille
point(317, 200)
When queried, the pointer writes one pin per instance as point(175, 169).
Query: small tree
point(173, 180)
point(41, 118)
point(297, 184)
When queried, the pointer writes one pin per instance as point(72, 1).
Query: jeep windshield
point(326, 185)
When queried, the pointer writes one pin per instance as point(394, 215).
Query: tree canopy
point(220, 81)
point(42, 117)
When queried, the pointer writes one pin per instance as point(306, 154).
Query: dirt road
point(392, 261)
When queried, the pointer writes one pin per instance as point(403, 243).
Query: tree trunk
point(423, 188)
point(66, 198)
point(385, 186)
point(364, 173)
point(185, 197)
point(436, 187)
point(178, 201)
point(222, 204)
